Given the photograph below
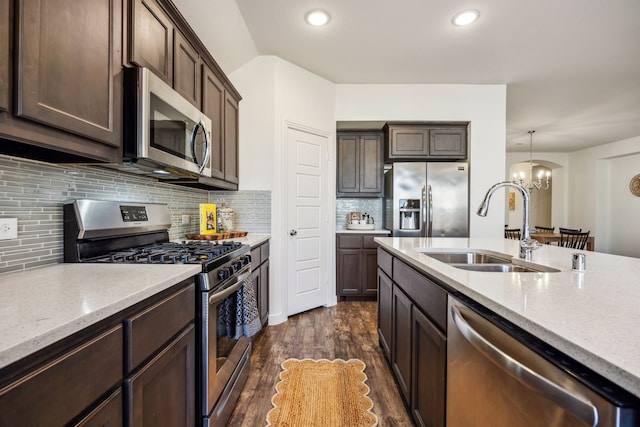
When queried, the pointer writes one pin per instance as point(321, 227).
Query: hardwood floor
point(344, 331)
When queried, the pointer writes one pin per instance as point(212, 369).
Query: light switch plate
point(8, 228)
point(185, 219)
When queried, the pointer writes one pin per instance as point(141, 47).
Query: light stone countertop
point(592, 316)
point(41, 306)
point(381, 231)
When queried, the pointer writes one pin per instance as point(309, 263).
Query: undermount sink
point(477, 260)
point(467, 258)
point(496, 268)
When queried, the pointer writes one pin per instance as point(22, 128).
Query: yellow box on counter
point(208, 218)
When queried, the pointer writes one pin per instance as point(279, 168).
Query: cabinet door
point(408, 142)
point(151, 39)
point(370, 272)
point(371, 165)
point(69, 66)
point(401, 345)
point(429, 369)
point(161, 394)
point(263, 301)
point(186, 69)
point(107, 414)
point(448, 143)
point(349, 269)
point(385, 312)
point(230, 139)
point(213, 101)
point(348, 162)
point(5, 36)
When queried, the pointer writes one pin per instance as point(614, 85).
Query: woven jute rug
point(322, 393)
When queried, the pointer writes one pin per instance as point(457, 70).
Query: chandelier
point(537, 184)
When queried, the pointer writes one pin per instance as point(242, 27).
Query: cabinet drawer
point(385, 262)
point(427, 295)
point(56, 393)
point(153, 327)
point(346, 241)
point(264, 252)
point(368, 243)
point(255, 256)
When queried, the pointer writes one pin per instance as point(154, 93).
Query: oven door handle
point(219, 296)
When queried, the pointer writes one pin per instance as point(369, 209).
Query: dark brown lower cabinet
point(429, 375)
point(356, 265)
point(385, 318)
point(260, 277)
point(401, 341)
point(412, 334)
point(161, 394)
point(60, 390)
point(136, 368)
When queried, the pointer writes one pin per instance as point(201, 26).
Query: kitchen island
point(591, 316)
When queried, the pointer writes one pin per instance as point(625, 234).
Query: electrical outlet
point(185, 219)
point(8, 228)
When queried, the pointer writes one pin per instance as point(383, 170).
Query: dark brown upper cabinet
point(69, 67)
point(213, 101)
point(231, 117)
point(151, 39)
point(424, 141)
point(5, 36)
point(360, 166)
point(186, 70)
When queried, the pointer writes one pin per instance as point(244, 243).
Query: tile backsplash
point(33, 192)
point(372, 207)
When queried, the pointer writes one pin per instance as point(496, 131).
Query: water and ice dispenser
point(409, 214)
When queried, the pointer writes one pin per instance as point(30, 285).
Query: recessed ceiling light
point(317, 17)
point(465, 18)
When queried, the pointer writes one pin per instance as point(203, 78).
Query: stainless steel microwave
point(164, 134)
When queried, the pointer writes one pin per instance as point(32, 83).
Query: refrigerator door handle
point(430, 215)
point(423, 212)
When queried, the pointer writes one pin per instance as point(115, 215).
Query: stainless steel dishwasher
point(500, 376)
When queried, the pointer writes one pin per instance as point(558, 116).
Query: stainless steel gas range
point(127, 232)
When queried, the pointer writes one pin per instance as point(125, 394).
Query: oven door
point(222, 353)
point(169, 130)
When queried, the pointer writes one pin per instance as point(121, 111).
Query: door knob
point(293, 232)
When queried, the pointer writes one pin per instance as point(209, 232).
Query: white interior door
point(307, 212)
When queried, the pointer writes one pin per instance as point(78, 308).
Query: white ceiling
point(572, 67)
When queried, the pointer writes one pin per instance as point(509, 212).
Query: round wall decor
point(634, 185)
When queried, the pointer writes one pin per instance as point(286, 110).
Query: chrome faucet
point(527, 244)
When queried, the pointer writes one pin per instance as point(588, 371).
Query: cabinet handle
point(293, 232)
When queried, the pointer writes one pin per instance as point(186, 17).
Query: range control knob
point(223, 273)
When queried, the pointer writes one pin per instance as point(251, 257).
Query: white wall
point(483, 105)
point(600, 200)
point(591, 191)
point(276, 92)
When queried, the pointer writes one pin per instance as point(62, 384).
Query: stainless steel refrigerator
point(427, 199)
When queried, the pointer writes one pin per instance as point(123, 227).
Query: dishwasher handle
point(576, 405)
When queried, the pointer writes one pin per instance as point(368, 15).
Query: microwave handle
point(207, 144)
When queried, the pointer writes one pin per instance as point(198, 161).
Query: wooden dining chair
point(541, 229)
point(573, 239)
point(570, 230)
point(512, 233)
